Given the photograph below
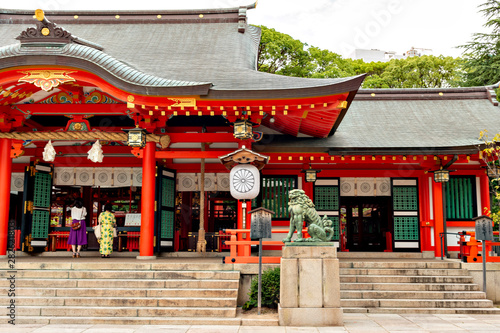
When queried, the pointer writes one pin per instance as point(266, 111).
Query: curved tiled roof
point(115, 67)
point(405, 119)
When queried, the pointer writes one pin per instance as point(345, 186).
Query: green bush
point(270, 290)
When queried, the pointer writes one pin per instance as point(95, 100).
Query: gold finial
point(39, 14)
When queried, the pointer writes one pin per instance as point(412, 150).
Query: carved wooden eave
point(244, 156)
point(46, 32)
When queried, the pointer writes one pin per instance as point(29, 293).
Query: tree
point(327, 64)
point(482, 54)
point(281, 54)
point(417, 72)
point(490, 154)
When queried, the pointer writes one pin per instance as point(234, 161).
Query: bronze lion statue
point(301, 209)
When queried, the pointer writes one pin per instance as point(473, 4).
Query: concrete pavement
point(353, 322)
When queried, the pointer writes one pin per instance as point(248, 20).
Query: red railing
point(239, 250)
point(471, 251)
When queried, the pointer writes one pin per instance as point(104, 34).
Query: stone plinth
point(310, 286)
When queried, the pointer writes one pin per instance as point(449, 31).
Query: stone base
point(145, 257)
point(310, 317)
point(306, 243)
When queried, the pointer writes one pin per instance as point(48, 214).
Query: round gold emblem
point(45, 31)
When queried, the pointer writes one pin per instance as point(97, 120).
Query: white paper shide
point(95, 153)
point(49, 153)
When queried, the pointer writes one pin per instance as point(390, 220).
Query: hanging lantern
point(311, 174)
point(244, 182)
point(136, 137)
point(243, 129)
point(95, 154)
point(49, 153)
point(441, 175)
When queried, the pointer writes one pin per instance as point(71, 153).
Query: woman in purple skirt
point(78, 237)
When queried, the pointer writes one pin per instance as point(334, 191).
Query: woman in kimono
point(78, 237)
point(107, 222)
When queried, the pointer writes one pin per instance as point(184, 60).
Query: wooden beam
point(192, 154)
point(71, 109)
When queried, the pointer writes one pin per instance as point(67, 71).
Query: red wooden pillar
point(484, 183)
point(425, 218)
point(243, 250)
point(5, 175)
point(146, 245)
point(437, 199)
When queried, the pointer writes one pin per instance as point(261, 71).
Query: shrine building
point(374, 161)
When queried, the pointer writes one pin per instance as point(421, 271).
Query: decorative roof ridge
point(420, 90)
point(451, 93)
point(47, 32)
point(110, 64)
point(234, 14)
point(131, 12)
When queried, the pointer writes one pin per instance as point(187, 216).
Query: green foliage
point(482, 54)
point(417, 72)
point(490, 154)
point(270, 290)
point(281, 54)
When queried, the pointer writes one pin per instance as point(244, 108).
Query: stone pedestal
point(310, 286)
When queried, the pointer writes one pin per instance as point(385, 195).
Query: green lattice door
point(36, 206)
point(326, 200)
point(406, 219)
point(165, 210)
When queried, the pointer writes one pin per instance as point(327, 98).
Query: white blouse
point(78, 213)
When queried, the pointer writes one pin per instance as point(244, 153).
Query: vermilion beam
point(5, 174)
point(201, 137)
point(192, 154)
point(70, 109)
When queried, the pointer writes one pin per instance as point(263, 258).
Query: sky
point(337, 25)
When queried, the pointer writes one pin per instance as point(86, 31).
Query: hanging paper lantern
point(49, 153)
point(95, 154)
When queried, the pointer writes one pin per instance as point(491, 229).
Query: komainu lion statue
point(301, 209)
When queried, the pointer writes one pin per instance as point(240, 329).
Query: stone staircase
point(123, 293)
point(410, 286)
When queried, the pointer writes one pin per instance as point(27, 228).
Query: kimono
point(107, 221)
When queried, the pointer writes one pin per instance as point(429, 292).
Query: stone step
point(388, 294)
point(125, 292)
point(121, 302)
point(121, 274)
point(402, 271)
point(487, 311)
point(411, 286)
point(400, 265)
point(404, 279)
point(79, 311)
point(415, 303)
point(123, 283)
point(377, 255)
point(112, 320)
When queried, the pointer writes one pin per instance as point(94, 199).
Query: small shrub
point(270, 290)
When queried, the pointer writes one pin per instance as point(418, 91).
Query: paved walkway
point(353, 322)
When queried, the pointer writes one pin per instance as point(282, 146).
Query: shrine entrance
point(367, 222)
